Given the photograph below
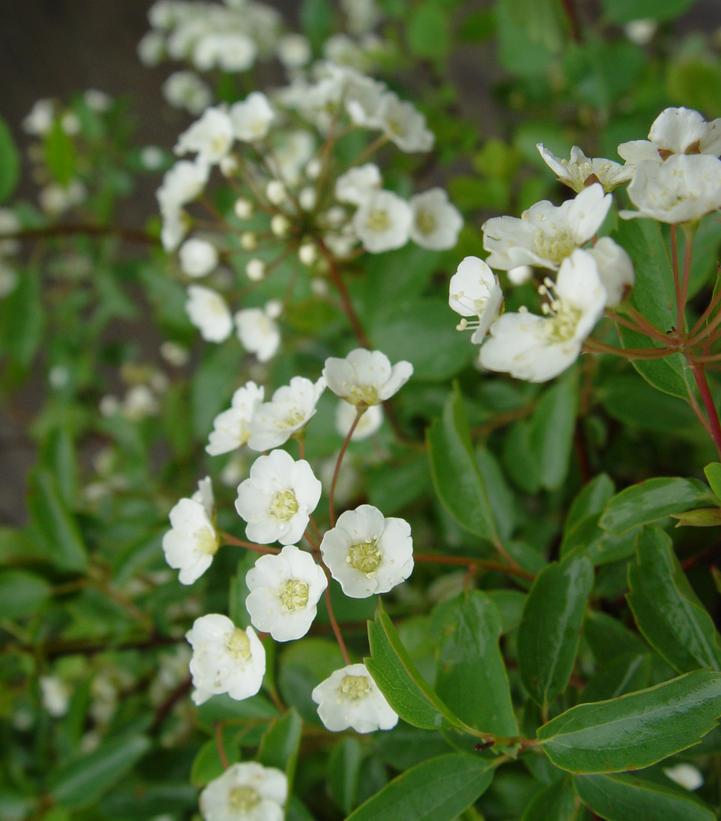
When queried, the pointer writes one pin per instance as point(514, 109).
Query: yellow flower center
point(294, 595)
point(561, 325)
point(354, 688)
point(239, 644)
point(243, 799)
point(363, 395)
point(378, 220)
point(364, 556)
point(555, 246)
point(283, 506)
point(293, 419)
point(206, 541)
point(426, 222)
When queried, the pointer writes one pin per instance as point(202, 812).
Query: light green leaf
point(60, 154)
point(666, 609)
point(280, 744)
point(625, 798)
point(637, 729)
point(551, 627)
point(54, 525)
point(454, 470)
point(624, 11)
point(654, 499)
point(9, 162)
point(427, 30)
point(23, 318)
point(22, 594)
point(471, 677)
point(551, 430)
point(712, 472)
point(438, 789)
point(213, 385)
point(343, 773)
point(84, 778)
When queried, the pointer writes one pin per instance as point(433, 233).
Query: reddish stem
point(219, 744)
point(338, 463)
point(334, 624)
point(703, 388)
point(228, 539)
point(483, 564)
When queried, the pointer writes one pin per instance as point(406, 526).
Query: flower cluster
point(364, 551)
point(674, 177)
point(293, 197)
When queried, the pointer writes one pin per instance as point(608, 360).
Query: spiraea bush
point(376, 473)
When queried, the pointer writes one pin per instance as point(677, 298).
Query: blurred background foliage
point(105, 422)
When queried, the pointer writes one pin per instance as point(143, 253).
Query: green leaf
point(316, 18)
point(225, 708)
point(471, 677)
point(303, 665)
point(213, 385)
point(702, 517)
point(623, 674)
point(60, 154)
point(427, 30)
point(667, 611)
point(280, 744)
point(53, 523)
point(23, 318)
point(455, 472)
point(83, 779)
point(654, 499)
point(207, 764)
point(58, 456)
point(422, 332)
point(9, 162)
point(399, 681)
point(551, 430)
point(22, 594)
point(551, 627)
point(438, 789)
point(557, 802)
point(624, 11)
point(343, 773)
point(635, 730)
point(625, 798)
point(634, 402)
point(712, 472)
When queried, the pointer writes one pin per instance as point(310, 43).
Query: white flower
point(641, 31)
point(685, 775)
point(294, 50)
point(350, 698)
point(366, 378)
point(198, 257)
point(537, 348)
point(368, 424)
point(580, 171)
point(183, 89)
point(97, 100)
point(252, 117)
point(383, 222)
point(182, 183)
point(675, 131)
point(357, 184)
point(204, 495)
point(225, 659)
point(230, 51)
point(436, 222)
point(615, 269)
point(231, 428)
point(362, 97)
point(151, 48)
point(367, 553)
point(290, 409)
point(474, 291)
point(246, 792)
point(40, 119)
point(193, 541)
point(403, 124)
point(209, 313)
point(258, 332)
point(139, 402)
point(211, 136)
point(545, 234)
point(277, 498)
point(284, 592)
point(55, 695)
point(681, 189)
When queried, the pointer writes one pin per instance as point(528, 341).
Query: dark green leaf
point(551, 430)
point(280, 743)
point(22, 594)
point(623, 674)
point(60, 154)
point(427, 32)
point(713, 477)
point(343, 773)
point(557, 802)
point(9, 162)
point(624, 11)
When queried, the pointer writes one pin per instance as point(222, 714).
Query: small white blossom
point(545, 234)
point(685, 775)
point(368, 424)
point(436, 222)
point(307, 253)
point(357, 184)
point(368, 553)
point(139, 403)
point(198, 257)
point(675, 131)
point(279, 225)
point(247, 792)
point(243, 208)
point(252, 117)
point(184, 89)
point(209, 313)
point(231, 428)
point(277, 498)
point(290, 409)
point(225, 659)
point(276, 193)
point(580, 171)
point(474, 291)
point(210, 137)
point(294, 50)
point(284, 591)
point(229, 51)
point(40, 119)
point(193, 541)
point(681, 189)
point(537, 348)
point(151, 48)
point(383, 222)
point(403, 124)
point(55, 695)
point(350, 698)
point(97, 100)
point(641, 31)
point(365, 377)
point(615, 269)
point(182, 183)
point(258, 332)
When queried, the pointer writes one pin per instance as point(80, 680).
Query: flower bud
point(255, 270)
point(248, 241)
point(279, 225)
point(275, 191)
point(307, 253)
point(243, 208)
